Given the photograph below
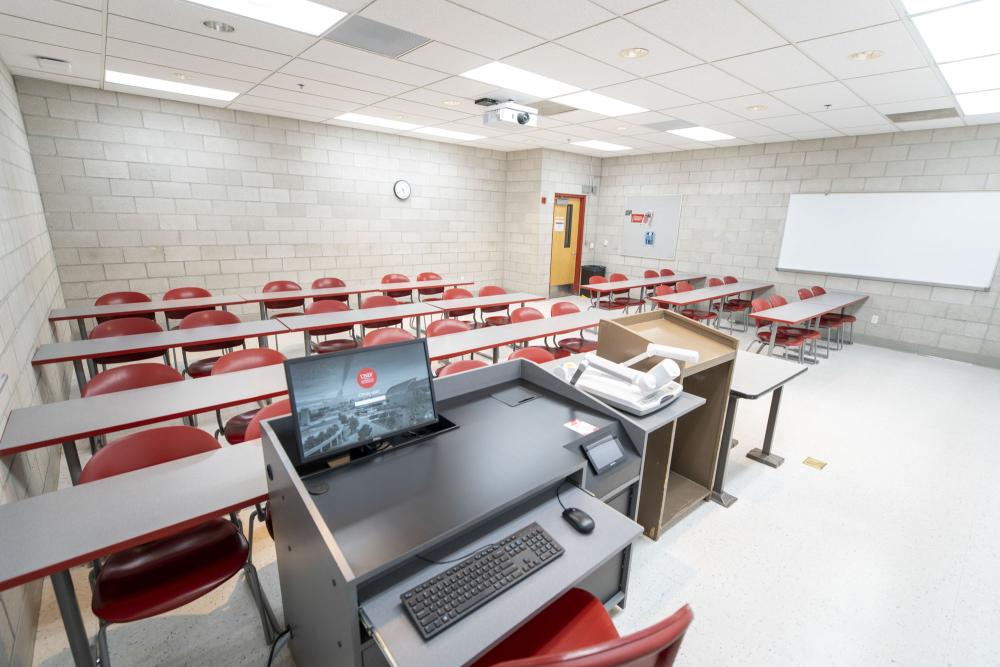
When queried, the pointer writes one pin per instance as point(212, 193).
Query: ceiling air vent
point(362, 33)
point(929, 114)
point(551, 108)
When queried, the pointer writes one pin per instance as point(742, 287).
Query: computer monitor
point(344, 400)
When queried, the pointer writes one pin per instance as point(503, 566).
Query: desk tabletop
point(359, 316)
point(54, 423)
point(758, 374)
point(641, 282)
point(143, 308)
point(809, 309)
point(421, 284)
point(162, 500)
point(486, 338)
point(480, 301)
point(162, 340)
point(709, 293)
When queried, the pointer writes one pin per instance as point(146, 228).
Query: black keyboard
point(444, 600)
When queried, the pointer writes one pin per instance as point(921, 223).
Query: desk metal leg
point(81, 325)
point(496, 355)
point(262, 340)
point(718, 495)
point(72, 460)
point(79, 643)
point(417, 325)
point(308, 342)
point(764, 455)
point(774, 335)
point(81, 378)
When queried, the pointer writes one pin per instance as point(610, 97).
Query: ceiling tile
point(166, 73)
point(55, 13)
point(270, 108)
point(545, 19)
point(818, 96)
point(322, 89)
point(797, 123)
point(930, 124)
point(434, 98)
point(775, 69)
point(576, 116)
point(912, 84)
point(457, 86)
point(624, 6)
point(703, 114)
point(412, 114)
point(73, 80)
point(805, 135)
point(441, 113)
point(899, 51)
point(606, 40)
point(451, 24)
point(91, 4)
point(744, 129)
point(709, 29)
point(618, 127)
point(807, 19)
point(857, 117)
point(444, 58)
point(50, 34)
point(184, 62)
point(558, 62)
point(21, 53)
point(705, 83)
point(343, 77)
point(916, 105)
point(647, 118)
point(346, 57)
point(879, 128)
point(741, 106)
point(315, 103)
point(646, 94)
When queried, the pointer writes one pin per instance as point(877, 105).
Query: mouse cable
point(274, 645)
point(564, 483)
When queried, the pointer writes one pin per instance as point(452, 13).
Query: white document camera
point(625, 388)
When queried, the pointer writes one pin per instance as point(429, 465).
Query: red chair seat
point(785, 339)
point(202, 367)
point(331, 331)
point(125, 358)
point(808, 334)
point(575, 621)
point(614, 305)
point(736, 305)
point(333, 345)
point(578, 345)
point(628, 302)
point(699, 315)
point(236, 427)
point(497, 320)
point(154, 578)
point(831, 319)
point(280, 315)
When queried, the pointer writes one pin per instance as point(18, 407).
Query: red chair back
point(429, 275)
point(617, 277)
point(386, 336)
point(208, 318)
point(124, 326)
point(446, 326)
point(491, 290)
point(777, 300)
point(525, 314)
point(664, 273)
point(326, 306)
point(538, 355)
point(329, 283)
point(135, 376)
point(147, 448)
point(730, 280)
point(760, 304)
point(396, 278)
point(714, 282)
point(650, 273)
point(117, 298)
point(563, 308)
point(664, 290)
point(378, 301)
point(185, 293)
point(242, 360)
point(805, 293)
point(276, 409)
point(684, 286)
point(456, 293)
point(283, 286)
point(461, 366)
point(818, 291)
point(596, 280)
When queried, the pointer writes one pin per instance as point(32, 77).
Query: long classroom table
point(806, 310)
point(473, 303)
point(309, 323)
point(598, 290)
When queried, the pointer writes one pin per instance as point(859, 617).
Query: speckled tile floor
point(887, 556)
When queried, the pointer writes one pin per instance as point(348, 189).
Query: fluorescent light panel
point(601, 145)
point(974, 104)
point(448, 134)
point(970, 76)
point(597, 103)
point(523, 81)
point(164, 85)
point(375, 120)
point(965, 31)
point(301, 15)
point(700, 134)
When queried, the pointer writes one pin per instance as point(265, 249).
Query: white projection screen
point(936, 238)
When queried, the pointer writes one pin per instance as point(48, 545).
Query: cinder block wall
point(736, 201)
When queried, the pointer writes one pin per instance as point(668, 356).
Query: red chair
point(386, 336)
point(526, 314)
point(627, 301)
point(235, 428)
point(663, 290)
point(118, 298)
point(446, 326)
point(576, 631)
point(805, 293)
point(169, 572)
point(208, 318)
point(665, 273)
point(461, 366)
point(650, 273)
point(379, 301)
point(776, 300)
point(459, 293)
point(736, 304)
point(127, 326)
point(785, 340)
point(133, 376)
point(276, 409)
point(539, 355)
point(703, 316)
point(430, 292)
point(283, 286)
point(573, 345)
point(397, 278)
point(319, 306)
point(597, 300)
point(495, 320)
point(836, 321)
point(329, 283)
point(184, 293)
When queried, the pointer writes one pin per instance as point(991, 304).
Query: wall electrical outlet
point(591, 245)
point(874, 319)
point(605, 243)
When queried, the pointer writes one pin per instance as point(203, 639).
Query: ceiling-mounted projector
point(508, 113)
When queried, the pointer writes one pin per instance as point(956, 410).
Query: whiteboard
point(664, 223)
point(937, 238)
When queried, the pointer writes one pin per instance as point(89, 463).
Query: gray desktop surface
point(394, 506)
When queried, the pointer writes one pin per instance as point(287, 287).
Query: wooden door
point(565, 240)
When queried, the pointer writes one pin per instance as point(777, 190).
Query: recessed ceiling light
point(862, 56)
point(621, 128)
point(452, 103)
point(921, 6)
point(448, 134)
point(137, 81)
point(588, 100)
point(301, 15)
point(218, 26)
point(757, 107)
point(974, 104)
point(970, 76)
point(965, 31)
point(377, 121)
point(514, 78)
point(601, 145)
point(700, 134)
point(634, 52)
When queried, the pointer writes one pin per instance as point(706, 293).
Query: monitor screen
point(356, 397)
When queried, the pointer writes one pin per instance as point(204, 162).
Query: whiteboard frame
point(668, 202)
point(781, 241)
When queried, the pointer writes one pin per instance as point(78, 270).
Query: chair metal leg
point(103, 655)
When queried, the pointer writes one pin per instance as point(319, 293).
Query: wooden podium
point(680, 458)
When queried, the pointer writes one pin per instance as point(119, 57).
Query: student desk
point(79, 350)
point(600, 289)
point(68, 421)
point(308, 323)
point(421, 284)
point(90, 521)
point(447, 305)
point(82, 313)
point(806, 310)
point(709, 293)
point(754, 376)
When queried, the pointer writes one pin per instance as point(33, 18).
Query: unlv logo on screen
point(367, 378)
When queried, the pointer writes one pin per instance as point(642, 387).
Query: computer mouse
point(579, 519)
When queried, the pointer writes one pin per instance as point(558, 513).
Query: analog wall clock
point(401, 189)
